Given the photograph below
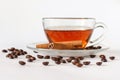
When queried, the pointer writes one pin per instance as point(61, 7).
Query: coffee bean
point(4, 51)
point(35, 51)
point(80, 57)
point(30, 60)
point(55, 59)
point(11, 57)
point(45, 63)
point(72, 57)
point(86, 62)
point(15, 56)
point(79, 64)
point(57, 62)
point(13, 53)
point(60, 57)
point(22, 63)
point(112, 57)
point(89, 47)
point(104, 60)
point(68, 60)
point(21, 50)
point(21, 53)
point(74, 62)
point(92, 56)
point(8, 55)
point(17, 53)
point(77, 60)
point(24, 52)
point(99, 63)
point(16, 50)
point(93, 47)
point(40, 56)
point(102, 56)
point(63, 61)
point(28, 56)
point(11, 49)
point(47, 57)
point(99, 47)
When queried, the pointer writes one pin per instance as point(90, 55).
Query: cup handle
point(99, 39)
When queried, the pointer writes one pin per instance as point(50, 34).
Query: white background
point(21, 20)
point(21, 24)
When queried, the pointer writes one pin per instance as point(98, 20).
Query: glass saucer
point(55, 52)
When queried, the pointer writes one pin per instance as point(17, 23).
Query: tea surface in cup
point(82, 34)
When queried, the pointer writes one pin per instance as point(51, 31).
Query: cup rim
point(67, 18)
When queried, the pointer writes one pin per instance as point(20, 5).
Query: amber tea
point(69, 35)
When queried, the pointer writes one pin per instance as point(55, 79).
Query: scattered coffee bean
point(68, 60)
point(45, 63)
point(15, 49)
point(63, 61)
point(8, 55)
point(21, 50)
point(55, 59)
point(11, 49)
point(24, 52)
point(28, 56)
point(35, 51)
point(11, 57)
point(112, 57)
point(57, 62)
point(99, 63)
point(60, 57)
point(4, 50)
point(74, 62)
point(80, 57)
point(17, 53)
point(47, 57)
point(72, 57)
point(99, 47)
point(90, 47)
point(22, 63)
point(77, 60)
point(30, 60)
point(86, 62)
point(104, 60)
point(15, 56)
point(79, 64)
point(40, 56)
point(102, 56)
point(92, 56)
point(93, 47)
point(14, 53)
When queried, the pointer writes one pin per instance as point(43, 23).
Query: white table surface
point(11, 70)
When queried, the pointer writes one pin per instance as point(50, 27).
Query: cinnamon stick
point(61, 45)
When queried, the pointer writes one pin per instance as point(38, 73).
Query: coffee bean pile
point(76, 61)
point(14, 53)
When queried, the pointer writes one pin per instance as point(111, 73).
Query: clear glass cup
point(72, 30)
